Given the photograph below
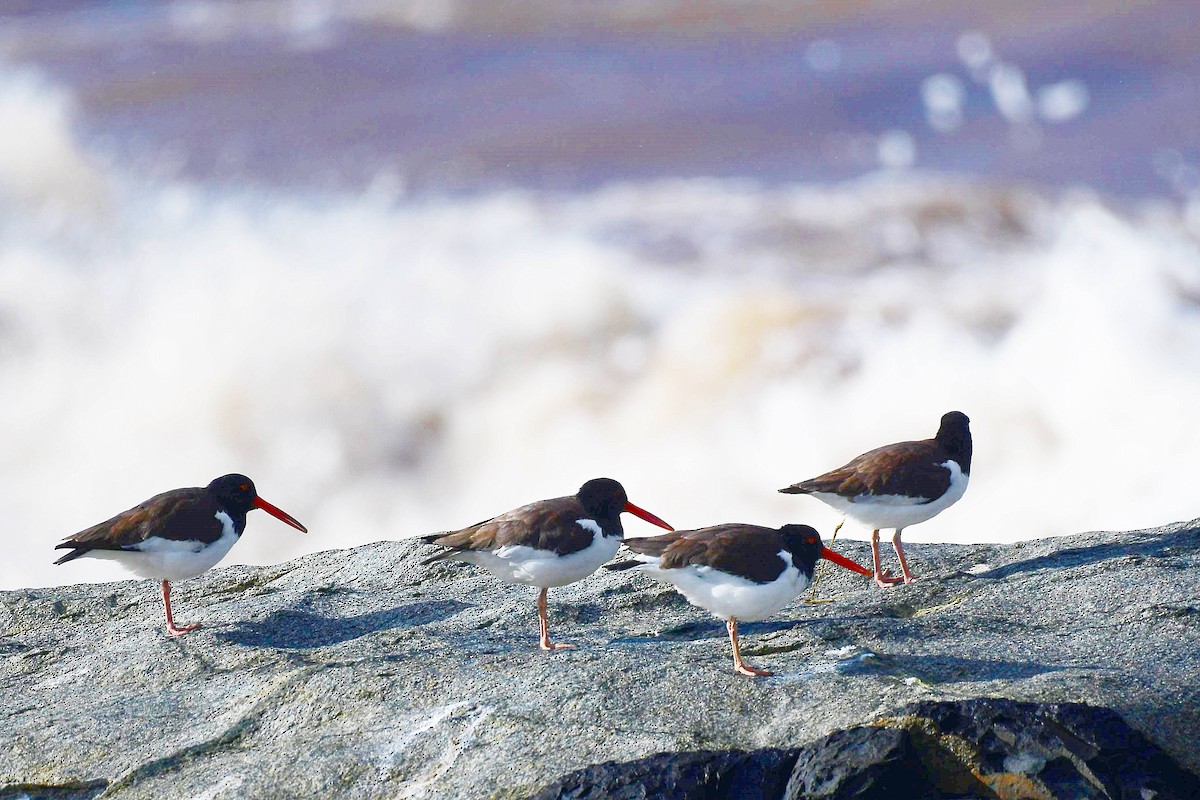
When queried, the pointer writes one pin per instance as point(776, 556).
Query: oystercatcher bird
point(175, 535)
point(547, 543)
point(898, 485)
point(736, 571)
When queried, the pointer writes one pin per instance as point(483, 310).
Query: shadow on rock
point(697, 630)
point(8, 647)
point(297, 630)
point(952, 669)
point(1155, 545)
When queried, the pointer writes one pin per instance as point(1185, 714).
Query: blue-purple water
point(305, 94)
point(411, 265)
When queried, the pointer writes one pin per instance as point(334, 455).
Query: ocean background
point(411, 264)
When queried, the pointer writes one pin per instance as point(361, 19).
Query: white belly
point(897, 511)
point(543, 568)
point(166, 559)
point(726, 595)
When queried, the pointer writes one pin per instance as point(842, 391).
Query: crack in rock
point(243, 727)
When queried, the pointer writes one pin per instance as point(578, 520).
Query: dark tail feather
point(74, 554)
point(796, 488)
point(623, 565)
point(439, 556)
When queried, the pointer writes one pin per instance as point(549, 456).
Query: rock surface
point(989, 747)
point(363, 673)
point(693, 775)
point(984, 747)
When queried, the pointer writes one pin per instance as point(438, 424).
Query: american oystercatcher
point(547, 543)
point(736, 571)
point(898, 485)
point(175, 535)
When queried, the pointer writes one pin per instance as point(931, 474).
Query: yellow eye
point(245, 487)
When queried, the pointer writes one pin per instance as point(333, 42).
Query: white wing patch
point(889, 500)
point(590, 525)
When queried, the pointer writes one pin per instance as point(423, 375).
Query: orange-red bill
point(275, 512)
point(842, 561)
point(646, 515)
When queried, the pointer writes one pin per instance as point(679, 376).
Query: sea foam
point(386, 366)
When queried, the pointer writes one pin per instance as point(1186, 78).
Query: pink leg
point(739, 666)
point(882, 578)
point(171, 627)
point(544, 625)
point(908, 578)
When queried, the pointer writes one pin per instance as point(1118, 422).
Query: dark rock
point(1073, 750)
point(72, 791)
point(861, 763)
point(982, 747)
point(698, 775)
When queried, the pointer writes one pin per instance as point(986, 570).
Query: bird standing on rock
point(736, 571)
point(898, 485)
point(175, 535)
point(548, 543)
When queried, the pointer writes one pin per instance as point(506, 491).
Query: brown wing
point(183, 514)
point(903, 468)
point(545, 525)
point(750, 551)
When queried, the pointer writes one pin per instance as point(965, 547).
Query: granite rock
point(363, 673)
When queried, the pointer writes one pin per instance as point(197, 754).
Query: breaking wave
point(385, 366)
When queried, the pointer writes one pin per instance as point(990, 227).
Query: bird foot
point(753, 672)
point(886, 580)
point(180, 630)
point(552, 646)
